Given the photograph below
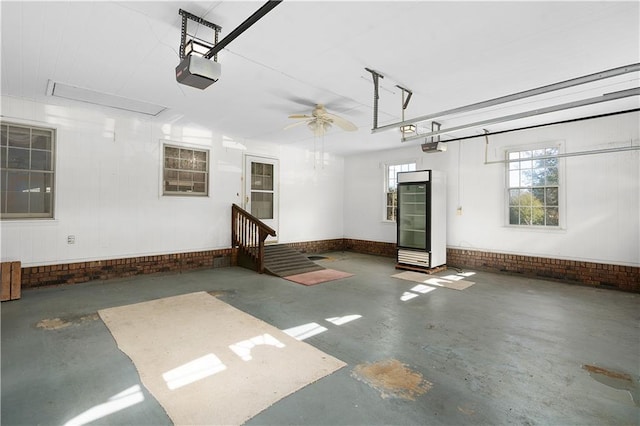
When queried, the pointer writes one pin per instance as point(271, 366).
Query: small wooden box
point(11, 275)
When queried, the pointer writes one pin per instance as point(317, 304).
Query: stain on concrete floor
point(60, 323)
point(616, 380)
point(392, 379)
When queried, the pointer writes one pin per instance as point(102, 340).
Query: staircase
point(282, 261)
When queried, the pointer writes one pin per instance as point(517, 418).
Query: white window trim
point(562, 205)
point(185, 145)
point(385, 182)
point(8, 120)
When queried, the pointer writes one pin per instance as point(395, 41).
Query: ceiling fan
point(320, 121)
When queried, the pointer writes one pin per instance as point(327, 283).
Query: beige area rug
point(419, 277)
point(317, 277)
point(208, 363)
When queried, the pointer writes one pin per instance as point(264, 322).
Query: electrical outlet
point(71, 239)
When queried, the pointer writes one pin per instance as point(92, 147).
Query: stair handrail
point(248, 233)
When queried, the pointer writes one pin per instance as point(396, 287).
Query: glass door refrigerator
point(421, 220)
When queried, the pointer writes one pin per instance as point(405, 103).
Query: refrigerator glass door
point(412, 215)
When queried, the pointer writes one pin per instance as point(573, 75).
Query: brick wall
point(371, 247)
point(70, 273)
point(321, 246)
point(594, 274)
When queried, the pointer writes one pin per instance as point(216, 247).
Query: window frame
point(164, 169)
point(48, 173)
point(412, 165)
point(559, 185)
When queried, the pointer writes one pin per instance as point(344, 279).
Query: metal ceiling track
point(257, 15)
point(219, 45)
point(509, 98)
point(590, 101)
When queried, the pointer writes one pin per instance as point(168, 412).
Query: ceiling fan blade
point(341, 122)
point(300, 116)
point(295, 124)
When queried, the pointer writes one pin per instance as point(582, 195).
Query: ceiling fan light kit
point(321, 120)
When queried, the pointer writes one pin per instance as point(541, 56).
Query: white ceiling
point(449, 54)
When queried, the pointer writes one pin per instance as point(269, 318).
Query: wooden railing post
point(249, 233)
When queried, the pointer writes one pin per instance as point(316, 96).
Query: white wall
point(108, 190)
point(602, 193)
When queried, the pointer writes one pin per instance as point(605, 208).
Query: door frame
point(246, 189)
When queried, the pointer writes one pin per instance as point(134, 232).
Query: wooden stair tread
point(282, 261)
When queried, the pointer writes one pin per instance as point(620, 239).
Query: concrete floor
point(508, 350)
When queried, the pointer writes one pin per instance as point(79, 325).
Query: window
point(533, 186)
point(186, 171)
point(262, 190)
point(26, 171)
point(391, 188)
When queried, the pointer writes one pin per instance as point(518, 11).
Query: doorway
point(261, 189)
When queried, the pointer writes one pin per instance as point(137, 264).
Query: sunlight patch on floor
point(193, 371)
point(243, 348)
point(302, 332)
point(120, 401)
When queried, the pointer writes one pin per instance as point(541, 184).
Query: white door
point(261, 186)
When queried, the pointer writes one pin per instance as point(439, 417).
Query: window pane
point(17, 202)
point(3, 135)
point(171, 152)
point(537, 216)
point(40, 160)
point(262, 176)
point(525, 216)
point(514, 197)
point(514, 216)
point(538, 176)
point(36, 202)
point(262, 205)
point(48, 203)
point(391, 213)
point(18, 158)
point(538, 196)
point(19, 137)
point(525, 177)
point(18, 181)
point(525, 198)
point(514, 178)
point(552, 216)
point(37, 182)
point(41, 139)
point(551, 196)
point(552, 176)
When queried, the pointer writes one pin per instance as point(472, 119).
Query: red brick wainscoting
point(321, 246)
point(70, 273)
point(594, 274)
